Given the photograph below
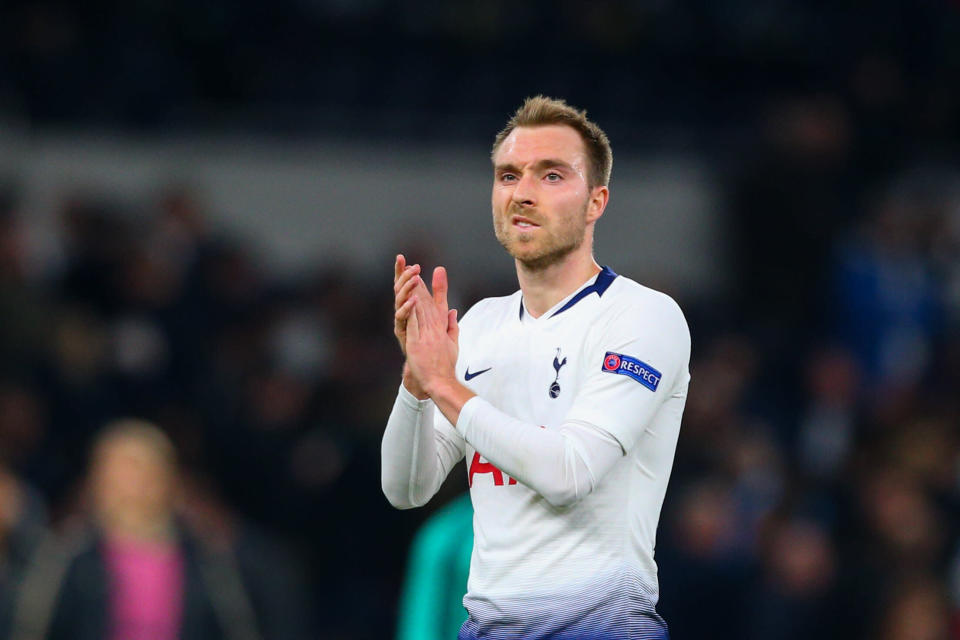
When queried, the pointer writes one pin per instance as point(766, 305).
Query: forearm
point(411, 384)
point(449, 396)
point(414, 457)
point(562, 465)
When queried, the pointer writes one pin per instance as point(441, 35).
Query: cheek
point(500, 198)
point(578, 197)
point(569, 207)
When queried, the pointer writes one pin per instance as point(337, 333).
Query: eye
point(553, 176)
point(507, 177)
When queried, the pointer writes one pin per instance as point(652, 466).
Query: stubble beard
point(555, 248)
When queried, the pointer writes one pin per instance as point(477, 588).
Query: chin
point(534, 261)
point(523, 251)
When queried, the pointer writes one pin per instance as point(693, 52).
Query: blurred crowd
point(817, 481)
point(816, 491)
point(265, 389)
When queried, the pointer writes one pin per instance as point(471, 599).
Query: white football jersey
point(614, 355)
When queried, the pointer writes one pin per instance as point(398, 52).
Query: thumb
point(440, 286)
point(453, 329)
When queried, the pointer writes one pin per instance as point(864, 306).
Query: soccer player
point(565, 397)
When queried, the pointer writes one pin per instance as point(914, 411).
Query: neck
point(544, 288)
point(153, 530)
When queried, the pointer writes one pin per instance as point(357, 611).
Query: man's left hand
point(432, 333)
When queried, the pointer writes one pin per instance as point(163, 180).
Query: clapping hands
point(425, 327)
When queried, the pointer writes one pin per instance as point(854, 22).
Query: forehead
point(125, 450)
point(529, 144)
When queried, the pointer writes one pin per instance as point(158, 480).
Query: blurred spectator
point(828, 424)
point(23, 430)
point(794, 598)
point(24, 307)
point(98, 236)
point(22, 524)
point(725, 370)
point(706, 565)
point(887, 302)
point(898, 537)
point(431, 605)
point(907, 529)
point(138, 572)
point(918, 611)
point(758, 483)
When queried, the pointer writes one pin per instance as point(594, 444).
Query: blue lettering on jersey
point(636, 369)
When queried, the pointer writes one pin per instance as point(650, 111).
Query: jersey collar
point(602, 282)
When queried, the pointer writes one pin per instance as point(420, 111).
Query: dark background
point(816, 484)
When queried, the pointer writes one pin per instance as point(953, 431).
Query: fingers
point(403, 313)
point(398, 266)
point(408, 284)
point(403, 295)
point(453, 329)
point(440, 288)
point(404, 277)
point(425, 313)
point(413, 326)
point(425, 299)
point(420, 312)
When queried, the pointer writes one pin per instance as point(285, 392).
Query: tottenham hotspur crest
point(557, 364)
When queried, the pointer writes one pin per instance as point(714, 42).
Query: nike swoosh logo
point(471, 376)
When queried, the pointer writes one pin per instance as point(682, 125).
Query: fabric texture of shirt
point(146, 583)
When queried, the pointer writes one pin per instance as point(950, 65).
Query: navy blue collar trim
point(604, 279)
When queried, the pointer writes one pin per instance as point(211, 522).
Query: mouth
point(523, 223)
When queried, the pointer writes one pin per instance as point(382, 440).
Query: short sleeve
point(635, 361)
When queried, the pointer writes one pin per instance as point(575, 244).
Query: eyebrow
point(546, 163)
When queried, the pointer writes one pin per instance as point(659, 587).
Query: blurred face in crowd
point(801, 559)
point(543, 205)
point(920, 611)
point(133, 487)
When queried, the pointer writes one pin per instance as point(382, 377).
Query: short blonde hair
point(540, 111)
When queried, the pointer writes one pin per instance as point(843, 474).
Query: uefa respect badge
point(625, 365)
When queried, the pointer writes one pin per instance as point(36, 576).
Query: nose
point(524, 193)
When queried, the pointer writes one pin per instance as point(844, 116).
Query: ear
point(599, 196)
